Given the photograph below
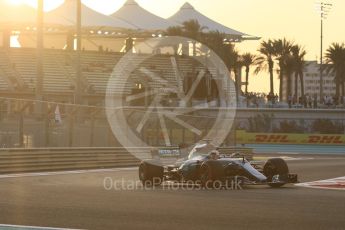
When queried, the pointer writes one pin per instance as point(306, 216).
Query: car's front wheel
point(276, 171)
point(150, 174)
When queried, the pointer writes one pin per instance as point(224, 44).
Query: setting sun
point(97, 5)
point(15, 2)
point(48, 5)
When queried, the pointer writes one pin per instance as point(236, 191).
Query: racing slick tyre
point(211, 174)
point(150, 174)
point(276, 166)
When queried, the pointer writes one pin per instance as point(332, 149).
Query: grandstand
point(18, 80)
point(18, 69)
point(28, 116)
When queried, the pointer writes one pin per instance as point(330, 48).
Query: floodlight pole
point(324, 9)
point(321, 55)
point(39, 54)
point(79, 87)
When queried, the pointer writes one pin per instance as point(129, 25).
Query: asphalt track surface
point(81, 201)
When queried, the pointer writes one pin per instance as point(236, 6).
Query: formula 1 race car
point(204, 166)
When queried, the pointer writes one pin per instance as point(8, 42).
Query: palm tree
point(174, 31)
point(289, 67)
point(282, 49)
point(235, 65)
point(194, 30)
point(265, 61)
point(298, 54)
point(335, 58)
point(227, 52)
point(215, 41)
point(248, 60)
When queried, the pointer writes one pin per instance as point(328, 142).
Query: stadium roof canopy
point(66, 15)
point(21, 16)
point(16, 16)
point(188, 12)
point(134, 14)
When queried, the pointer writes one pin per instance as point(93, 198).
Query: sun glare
point(48, 5)
point(14, 41)
point(15, 2)
point(103, 6)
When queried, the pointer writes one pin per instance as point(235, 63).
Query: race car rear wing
point(237, 152)
point(166, 152)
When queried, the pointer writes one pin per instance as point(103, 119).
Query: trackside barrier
point(246, 152)
point(56, 159)
point(243, 137)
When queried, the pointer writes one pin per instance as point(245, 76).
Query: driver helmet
point(214, 155)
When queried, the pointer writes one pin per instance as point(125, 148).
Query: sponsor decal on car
point(169, 152)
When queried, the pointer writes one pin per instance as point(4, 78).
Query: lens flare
point(15, 2)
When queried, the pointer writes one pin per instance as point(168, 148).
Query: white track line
point(330, 184)
point(8, 226)
point(65, 173)
point(292, 153)
point(287, 158)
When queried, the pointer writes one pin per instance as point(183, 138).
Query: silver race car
point(206, 167)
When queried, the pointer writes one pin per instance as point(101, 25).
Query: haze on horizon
point(294, 19)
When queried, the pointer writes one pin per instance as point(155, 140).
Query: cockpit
point(201, 151)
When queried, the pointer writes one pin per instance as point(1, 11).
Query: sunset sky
point(296, 20)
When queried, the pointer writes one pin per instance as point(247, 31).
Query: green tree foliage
point(326, 126)
point(265, 61)
point(289, 127)
point(248, 60)
point(335, 58)
point(260, 123)
point(298, 54)
point(282, 52)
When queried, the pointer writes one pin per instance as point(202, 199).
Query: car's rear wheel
point(150, 174)
point(273, 167)
point(211, 174)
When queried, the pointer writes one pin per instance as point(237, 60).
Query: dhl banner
point(242, 137)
